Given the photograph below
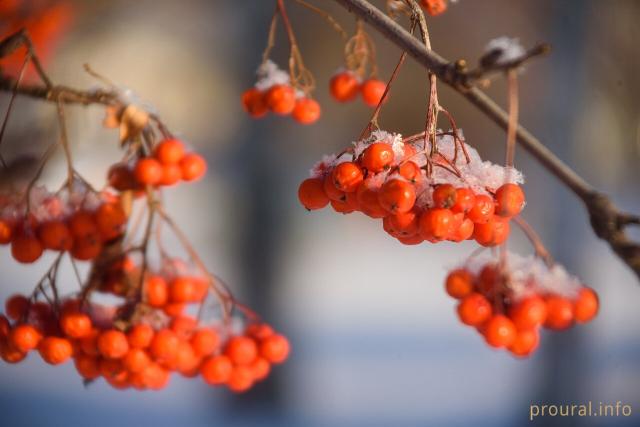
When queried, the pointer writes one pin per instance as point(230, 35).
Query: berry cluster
point(274, 93)
point(168, 165)
point(346, 85)
point(507, 302)
point(76, 219)
point(140, 354)
point(419, 197)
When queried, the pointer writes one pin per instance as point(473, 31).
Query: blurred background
point(375, 339)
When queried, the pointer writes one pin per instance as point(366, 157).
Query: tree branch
point(606, 219)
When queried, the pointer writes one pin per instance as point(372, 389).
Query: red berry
point(169, 151)
point(372, 91)
point(377, 157)
point(254, 103)
point(482, 210)
point(529, 313)
point(525, 342)
point(499, 331)
point(148, 171)
point(347, 177)
point(436, 224)
point(586, 305)
point(344, 86)
point(397, 196)
point(509, 200)
point(459, 283)
point(474, 309)
point(281, 99)
point(444, 196)
point(559, 313)
point(193, 167)
point(311, 194)
point(306, 111)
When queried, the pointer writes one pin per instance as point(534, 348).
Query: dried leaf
point(111, 117)
point(132, 122)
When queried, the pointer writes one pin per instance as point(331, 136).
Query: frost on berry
point(269, 74)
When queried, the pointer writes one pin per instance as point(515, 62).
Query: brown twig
point(607, 220)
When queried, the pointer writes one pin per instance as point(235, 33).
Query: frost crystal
point(529, 275)
point(510, 49)
point(269, 74)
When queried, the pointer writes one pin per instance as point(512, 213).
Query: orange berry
point(82, 225)
point(254, 103)
point(55, 235)
point(140, 336)
point(499, 331)
point(111, 220)
point(26, 248)
point(459, 283)
point(183, 326)
point(402, 224)
point(16, 306)
point(488, 277)
point(372, 91)
point(10, 354)
point(171, 175)
point(216, 370)
point(465, 200)
point(434, 7)
point(86, 248)
point(136, 360)
point(344, 86)
point(205, 342)
point(182, 289)
point(89, 344)
point(397, 196)
point(306, 111)
point(491, 233)
point(445, 196)
point(87, 366)
point(411, 240)
point(5, 327)
point(585, 307)
point(174, 309)
point(525, 343)
point(241, 350)
point(259, 331)
point(6, 232)
point(120, 177)
point(347, 177)
point(260, 368)
point(112, 344)
point(169, 151)
point(367, 197)
point(275, 348)
point(482, 210)
point(331, 191)
point(193, 167)
point(436, 224)
point(155, 376)
point(559, 313)
point(54, 350)
point(241, 379)
point(281, 99)
point(164, 345)
point(410, 171)
point(509, 200)
point(25, 338)
point(311, 194)
point(76, 325)
point(377, 157)
point(148, 171)
point(342, 207)
point(529, 313)
point(156, 291)
point(474, 309)
point(463, 231)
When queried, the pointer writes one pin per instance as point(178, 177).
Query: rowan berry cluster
point(168, 165)
point(508, 302)
point(346, 85)
point(76, 219)
point(419, 196)
point(274, 93)
point(141, 354)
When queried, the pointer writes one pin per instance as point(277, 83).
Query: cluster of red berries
point(282, 100)
point(508, 305)
point(346, 85)
point(143, 354)
point(169, 164)
point(78, 220)
point(273, 93)
point(383, 178)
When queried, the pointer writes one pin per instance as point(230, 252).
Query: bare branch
point(607, 221)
